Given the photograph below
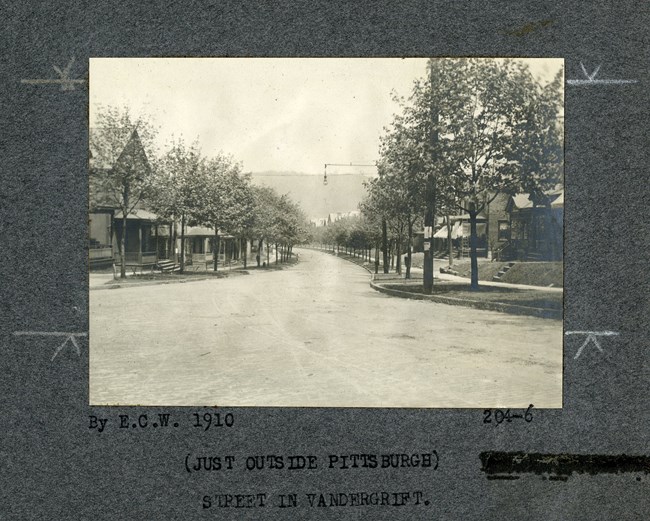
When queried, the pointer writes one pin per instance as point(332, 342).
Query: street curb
point(148, 283)
point(227, 274)
point(511, 309)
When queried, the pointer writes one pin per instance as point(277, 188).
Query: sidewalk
point(98, 280)
point(103, 280)
point(106, 280)
point(418, 273)
point(456, 278)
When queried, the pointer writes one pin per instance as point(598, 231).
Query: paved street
point(314, 334)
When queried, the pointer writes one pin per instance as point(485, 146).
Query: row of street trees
point(473, 129)
point(183, 186)
point(355, 234)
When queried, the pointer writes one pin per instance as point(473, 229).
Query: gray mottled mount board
point(55, 467)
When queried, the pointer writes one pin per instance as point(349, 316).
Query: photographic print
point(326, 232)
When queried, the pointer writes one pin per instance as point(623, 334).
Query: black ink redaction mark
point(500, 465)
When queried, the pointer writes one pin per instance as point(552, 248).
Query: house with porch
point(460, 235)
point(199, 247)
point(111, 150)
point(535, 228)
point(511, 227)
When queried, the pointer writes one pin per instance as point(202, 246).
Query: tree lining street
point(315, 334)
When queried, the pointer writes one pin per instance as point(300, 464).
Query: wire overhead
point(344, 164)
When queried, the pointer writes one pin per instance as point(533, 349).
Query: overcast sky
point(282, 114)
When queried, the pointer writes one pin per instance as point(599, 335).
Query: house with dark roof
point(511, 227)
point(536, 226)
point(112, 151)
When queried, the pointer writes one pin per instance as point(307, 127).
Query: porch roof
point(199, 231)
point(193, 231)
point(456, 231)
point(138, 215)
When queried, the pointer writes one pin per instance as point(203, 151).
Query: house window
point(504, 230)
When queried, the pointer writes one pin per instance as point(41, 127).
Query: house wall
point(99, 228)
point(496, 212)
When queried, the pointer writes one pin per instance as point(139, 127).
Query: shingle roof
point(106, 145)
point(198, 231)
point(138, 214)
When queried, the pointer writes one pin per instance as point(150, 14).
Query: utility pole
point(430, 198)
point(429, 218)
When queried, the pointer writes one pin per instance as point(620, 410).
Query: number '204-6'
point(500, 415)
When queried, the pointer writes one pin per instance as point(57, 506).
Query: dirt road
point(315, 334)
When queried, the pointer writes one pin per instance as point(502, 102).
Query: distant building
point(333, 217)
point(318, 221)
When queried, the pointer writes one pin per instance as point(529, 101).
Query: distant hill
point(342, 193)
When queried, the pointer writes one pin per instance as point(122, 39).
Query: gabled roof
point(107, 144)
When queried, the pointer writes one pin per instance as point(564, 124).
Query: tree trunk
point(429, 221)
point(376, 258)
point(172, 239)
point(450, 245)
point(182, 243)
point(472, 251)
point(123, 248)
point(215, 260)
point(268, 253)
point(260, 250)
point(384, 243)
point(409, 257)
point(430, 199)
point(245, 252)
point(398, 251)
